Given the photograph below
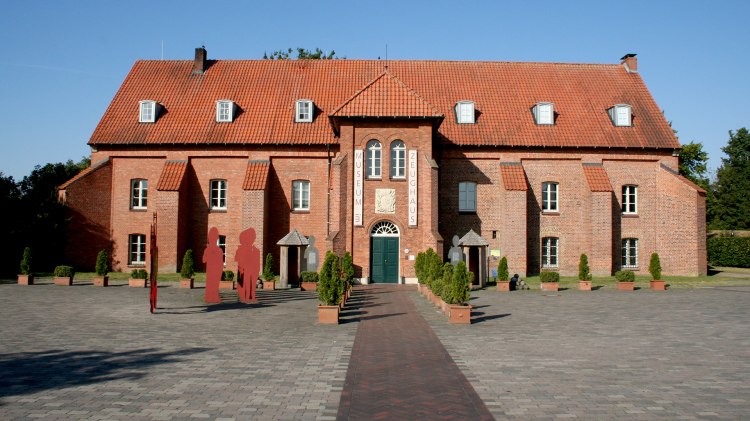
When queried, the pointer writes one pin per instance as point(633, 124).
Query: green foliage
point(732, 203)
point(460, 287)
point(625, 276)
point(446, 283)
point(268, 268)
point(302, 54)
point(654, 267)
point(63, 271)
point(433, 266)
point(347, 268)
point(308, 277)
point(729, 251)
point(139, 274)
point(329, 292)
point(419, 264)
point(188, 265)
point(549, 276)
point(502, 270)
point(227, 275)
point(583, 269)
point(102, 263)
point(693, 163)
point(26, 261)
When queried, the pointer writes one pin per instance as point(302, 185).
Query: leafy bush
point(26, 261)
point(63, 271)
point(446, 283)
point(549, 276)
point(625, 276)
point(433, 267)
point(460, 288)
point(583, 269)
point(188, 265)
point(308, 277)
point(419, 267)
point(102, 263)
point(139, 274)
point(729, 251)
point(654, 267)
point(328, 280)
point(268, 268)
point(347, 268)
point(227, 275)
point(502, 270)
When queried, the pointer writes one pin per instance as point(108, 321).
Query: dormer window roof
point(224, 111)
point(621, 115)
point(147, 111)
point(465, 112)
point(544, 113)
point(304, 111)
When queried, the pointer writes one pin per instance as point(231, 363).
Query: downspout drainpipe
point(328, 197)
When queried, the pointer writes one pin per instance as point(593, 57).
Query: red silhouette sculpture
point(213, 257)
point(248, 266)
point(154, 267)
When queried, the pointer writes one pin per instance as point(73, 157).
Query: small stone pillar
point(284, 267)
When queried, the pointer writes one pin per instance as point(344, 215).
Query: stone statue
point(454, 254)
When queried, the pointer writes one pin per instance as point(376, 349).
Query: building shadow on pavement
point(479, 316)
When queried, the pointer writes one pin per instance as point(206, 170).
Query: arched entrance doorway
point(384, 253)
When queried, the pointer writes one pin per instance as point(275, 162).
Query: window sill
point(137, 265)
point(630, 215)
point(633, 268)
point(218, 210)
point(551, 268)
point(300, 211)
point(467, 212)
point(138, 209)
point(398, 178)
point(373, 178)
point(551, 213)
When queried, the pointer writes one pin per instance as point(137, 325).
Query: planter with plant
point(26, 277)
point(138, 278)
point(102, 269)
point(503, 282)
point(269, 279)
point(64, 275)
point(625, 280)
point(584, 274)
point(550, 280)
point(420, 272)
point(654, 268)
point(347, 270)
point(308, 281)
point(187, 271)
point(329, 290)
point(459, 311)
point(227, 280)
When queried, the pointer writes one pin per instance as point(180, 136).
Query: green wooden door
point(384, 259)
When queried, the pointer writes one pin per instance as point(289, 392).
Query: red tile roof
point(597, 177)
point(256, 175)
point(265, 92)
point(684, 179)
point(172, 175)
point(514, 177)
point(83, 173)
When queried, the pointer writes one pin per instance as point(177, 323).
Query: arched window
point(374, 151)
point(384, 228)
point(398, 159)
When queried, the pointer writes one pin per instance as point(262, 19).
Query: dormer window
point(621, 115)
point(224, 111)
point(465, 112)
point(304, 112)
point(147, 111)
point(544, 113)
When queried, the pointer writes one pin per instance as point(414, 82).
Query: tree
point(102, 263)
point(693, 163)
point(654, 267)
point(584, 273)
point(502, 270)
point(188, 265)
point(268, 268)
point(732, 209)
point(302, 54)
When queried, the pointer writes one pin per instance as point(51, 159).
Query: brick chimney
point(630, 63)
point(199, 65)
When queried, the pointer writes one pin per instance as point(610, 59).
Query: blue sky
point(63, 61)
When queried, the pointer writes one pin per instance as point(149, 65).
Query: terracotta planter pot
point(137, 283)
point(550, 286)
point(101, 281)
point(626, 286)
point(188, 283)
point(584, 285)
point(328, 315)
point(64, 280)
point(658, 285)
point(307, 286)
point(269, 285)
point(25, 279)
point(459, 314)
point(226, 285)
point(503, 286)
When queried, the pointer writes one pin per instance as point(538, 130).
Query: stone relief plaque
point(385, 201)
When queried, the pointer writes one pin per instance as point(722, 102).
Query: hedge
point(625, 276)
point(549, 276)
point(729, 251)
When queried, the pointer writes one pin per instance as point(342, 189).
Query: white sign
point(385, 200)
point(358, 177)
point(413, 188)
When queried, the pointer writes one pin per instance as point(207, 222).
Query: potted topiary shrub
point(654, 267)
point(64, 275)
point(328, 290)
point(347, 270)
point(459, 310)
point(444, 288)
point(102, 269)
point(419, 272)
point(227, 280)
point(138, 278)
point(308, 281)
point(584, 275)
point(187, 271)
point(625, 280)
point(269, 279)
point(503, 283)
point(26, 277)
point(550, 280)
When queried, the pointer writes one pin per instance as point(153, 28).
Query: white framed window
point(304, 111)
point(629, 199)
point(222, 243)
point(467, 196)
point(138, 193)
point(544, 113)
point(300, 195)
point(147, 111)
point(549, 252)
point(137, 247)
point(465, 112)
point(218, 194)
point(374, 152)
point(398, 159)
point(224, 111)
point(549, 197)
point(621, 115)
point(629, 252)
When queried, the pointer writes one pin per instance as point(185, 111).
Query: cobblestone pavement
point(677, 355)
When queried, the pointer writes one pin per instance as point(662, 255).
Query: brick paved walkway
point(398, 369)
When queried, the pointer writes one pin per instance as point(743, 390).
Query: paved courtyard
point(96, 353)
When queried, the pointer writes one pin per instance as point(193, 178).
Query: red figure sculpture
point(213, 257)
point(248, 265)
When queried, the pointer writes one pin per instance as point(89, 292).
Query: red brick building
point(543, 161)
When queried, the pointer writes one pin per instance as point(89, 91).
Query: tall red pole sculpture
point(154, 266)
